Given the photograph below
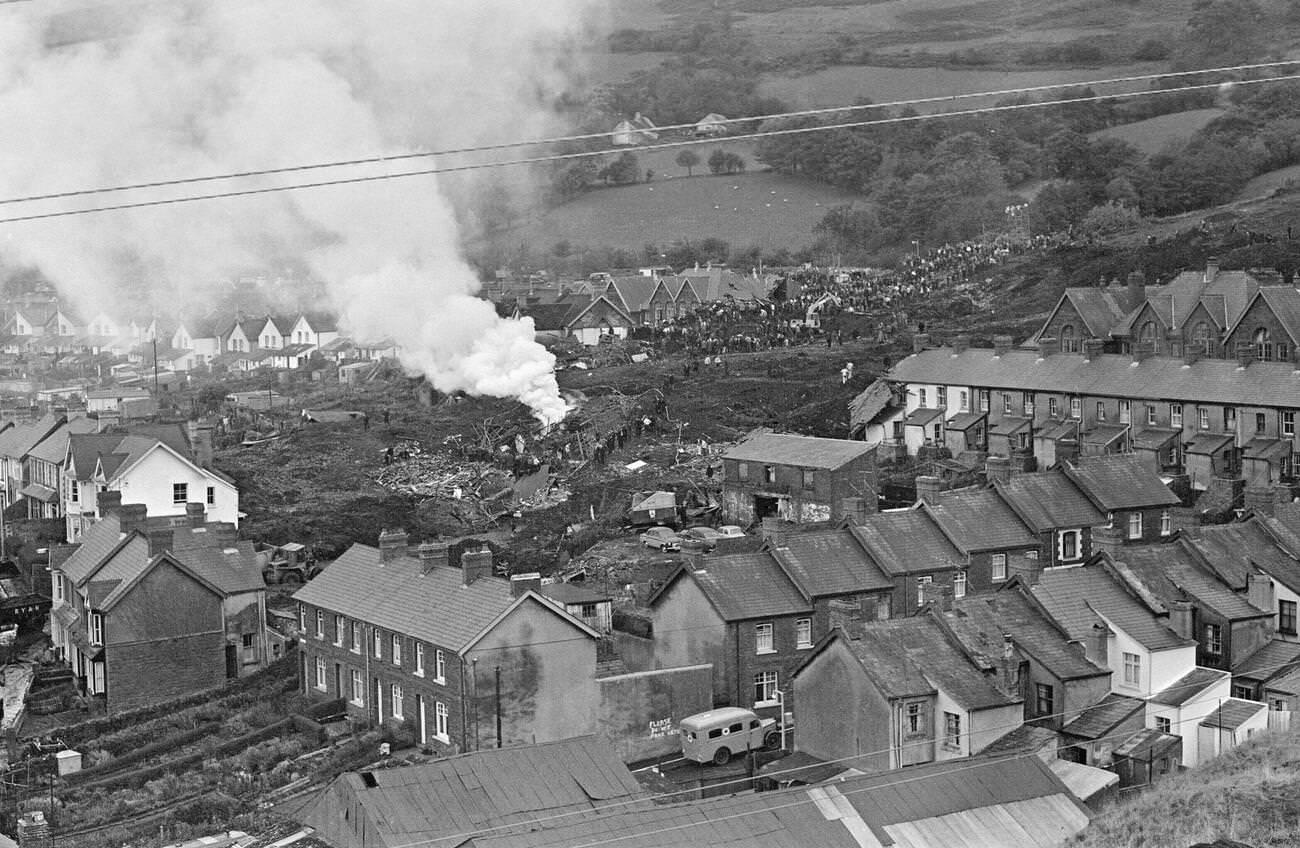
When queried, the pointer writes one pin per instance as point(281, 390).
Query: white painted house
point(198, 337)
point(1185, 703)
point(275, 332)
point(315, 330)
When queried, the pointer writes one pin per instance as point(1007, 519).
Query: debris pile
point(431, 475)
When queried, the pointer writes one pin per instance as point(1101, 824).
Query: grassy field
point(1266, 184)
point(763, 209)
point(1154, 134)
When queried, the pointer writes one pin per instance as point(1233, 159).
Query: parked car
point(704, 538)
point(661, 538)
point(731, 531)
point(715, 735)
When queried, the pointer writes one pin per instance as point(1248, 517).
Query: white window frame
point(963, 400)
point(1288, 424)
point(96, 629)
point(1053, 407)
point(397, 649)
point(440, 666)
point(1202, 418)
point(440, 722)
point(998, 566)
point(984, 400)
point(803, 633)
point(921, 583)
point(320, 624)
point(395, 691)
point(1214, 639)
point(1175, 415)
point(1135, 524)
point(356, 637)
point(941, 397)
point(419, 659)
point(1101, 410)
point(1151, 414)
point(1006, 403)
point(1077, 537)
point(1076, 408)
point(1132, 669)
point(921, 397)
point(764, 638)
point(320, 673)
point(339, 624)
point(952, 730)
point(770, 682)
point(302, 618)
point(1126, 411)
point(57, 580)
point(377, 642)
point(1166, 523)
point(358, 688)
point(959, 584)
point(180, 493)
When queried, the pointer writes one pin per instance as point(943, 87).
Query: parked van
point(714, 736)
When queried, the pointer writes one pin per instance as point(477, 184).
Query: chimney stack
point(432, 555)
point(1099, 649)
point(1143, 350)
point(392, 544)
point(1259, 591)
point(133, 517)
point(1092, 348)
point(772, 531)
point(195, 514)
point(1048, 346)
point(475, 564)
point(1107, 540)
point(521, 583)
point(960, 343)
point(997, 469)
point(1245, 354)
point(1137, 290)
point(1190, 353)
point(920, 342)
point(109, 502)
point(1211, 268)
point(1001, 345)
point(928, 488)
point(200, 435)
point(856, 508)
point(1180, 619)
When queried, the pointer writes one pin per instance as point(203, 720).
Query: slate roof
point(1286, 681)
point(921, 416)
point(1155, 438)
point(547, 317)
point(440, 802)
point(881, 650)
point(1284, 301)
point(965, 420)
point(18, 441)
point(54, 447)
point(978, 520)
point(868, 403)
point(1120, 481)
point(433, 607)
point(1170, 572)
point(231, 569)
point(574, 593)
point(1231, 550)
point(1208, 443)
point(803, 451)
point(1099, 308)
point(1189, 686)
point(1049, 501)
point(97, 542)
point(1273, 658)
point(1211, 381)
point(747, 586)
point(1233, 714)
point(979, 621)
point(1009, 801)
point(1145, 744)
point(1102, 717)
point(1075, 596)
point(904, 542)
point(117, 451)
point(830, 562)
point(633, 293)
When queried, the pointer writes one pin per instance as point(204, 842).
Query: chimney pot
point(1048, 346)
point(432, 555)
point(1092, 348)
point(475, 565)
point(920, 342)
point(928, 488)
point(392, 544)
point(1259, 591)
point(195, 514)
point(960, 343)
point(1137, 290)
point(521, 583)
point(1002, 345)
point(997, 469)
point(1245, 354)
point(1143, 350)
point(1211, 268)
point(1181, 619)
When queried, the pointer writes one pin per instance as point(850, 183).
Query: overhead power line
point(558, 157)
point(509, 145)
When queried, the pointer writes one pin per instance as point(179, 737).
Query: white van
point(714, 736)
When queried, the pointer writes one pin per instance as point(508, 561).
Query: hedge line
point(117, 764)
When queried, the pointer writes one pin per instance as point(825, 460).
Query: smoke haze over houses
point(134, 93)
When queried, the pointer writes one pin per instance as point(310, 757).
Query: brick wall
point(147, 672)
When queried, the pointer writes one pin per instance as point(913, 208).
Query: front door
point(424, 731)
point(338, 680)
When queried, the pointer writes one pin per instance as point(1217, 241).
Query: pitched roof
point(907, 542)
point(97, 543)
point(433, 607)
point(881, 649)
point(440, 802)
point(1171, 572)
point(1049, 501)
point(633, 293)
point(1284, 301)
point(547, 317)
point(1099, 308)
point(1189, 686)
point(747, 586)
point(829, 562)
point(1274, 657)
point(976, 519)
point(804, 451)
point(979, 622)
point(18, 441)
point(54, 447)
point(1212, 381)
point(1233, 550)
point(1075, 597)
point(1119, 481)
point(1233, 713)
point(231, 569)
point(1102, 717)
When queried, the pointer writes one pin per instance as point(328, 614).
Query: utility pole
point(498, 676)
point(155, 366)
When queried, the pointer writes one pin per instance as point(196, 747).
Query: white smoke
point(175, 90)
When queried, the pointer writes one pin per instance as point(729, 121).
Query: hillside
point(1250, 794)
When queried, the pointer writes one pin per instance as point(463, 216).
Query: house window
point(302, 618)
point(320, 673)
point(803, 633)
point(1175, 415)
point(358, 688)
point(951, 730)
point(1101, 410)
point(356, 637)
point(58, 586)
point(419, 659)
point(1286, 617)
point(1260, 424)
point(96, 629)
point(397, 700)
point(1230, 418)
point(74, 491)
point(212, 495)
point(1068, 547)
point(963, 400)
point(1151, 415)
point(1202, 418)
point(922, 583)
point(764, 688)
point(1027, 404)
point(769, 473)
point(1044, 700)
point(882, 608)
point(397, 649)
point(1053, 407)
point(180, 493)
point(440, 721)
point(1006, 403)
point(1246, 693)
point(809, 478)
point(1213, 639)
point(1275, 704)
point(250, 651)
point(763, 639)
point(1125, 412)
point(320, 624)
point(742, 470)
point(1076, 408)
point(1164, 725)
point(999, 566)
point(377, 642)
point(1288, 424)
point(1068, 342)
point(440, 666)
point(984, 400)
point(1166, 523)
point(959, 584)
point(1135, 525)
point(941, 397)
point(339, 624)
point(1132, 669)
point(914, 718)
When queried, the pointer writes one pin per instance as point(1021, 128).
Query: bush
point(1151, 50)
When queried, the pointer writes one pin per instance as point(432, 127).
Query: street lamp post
point(780, 715)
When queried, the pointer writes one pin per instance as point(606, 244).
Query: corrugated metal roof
point(1075, 597)
point(1120, 481)
point(978, 520)
point(830, 562)
point(904, 542)
point(1189, 686)
point(1233, 713)
point(805, 451)
point(1213, 381)
point(1049, 501)
point(1100, 719)
point(748, 585)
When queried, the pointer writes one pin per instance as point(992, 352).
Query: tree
point(621, 171)
point(718, 161)
point(1110, 218)
point(847, 229)
point(688, 159)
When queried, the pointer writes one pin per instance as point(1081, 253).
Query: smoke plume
point(133, 93)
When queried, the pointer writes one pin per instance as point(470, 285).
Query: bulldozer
point(291, 562)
